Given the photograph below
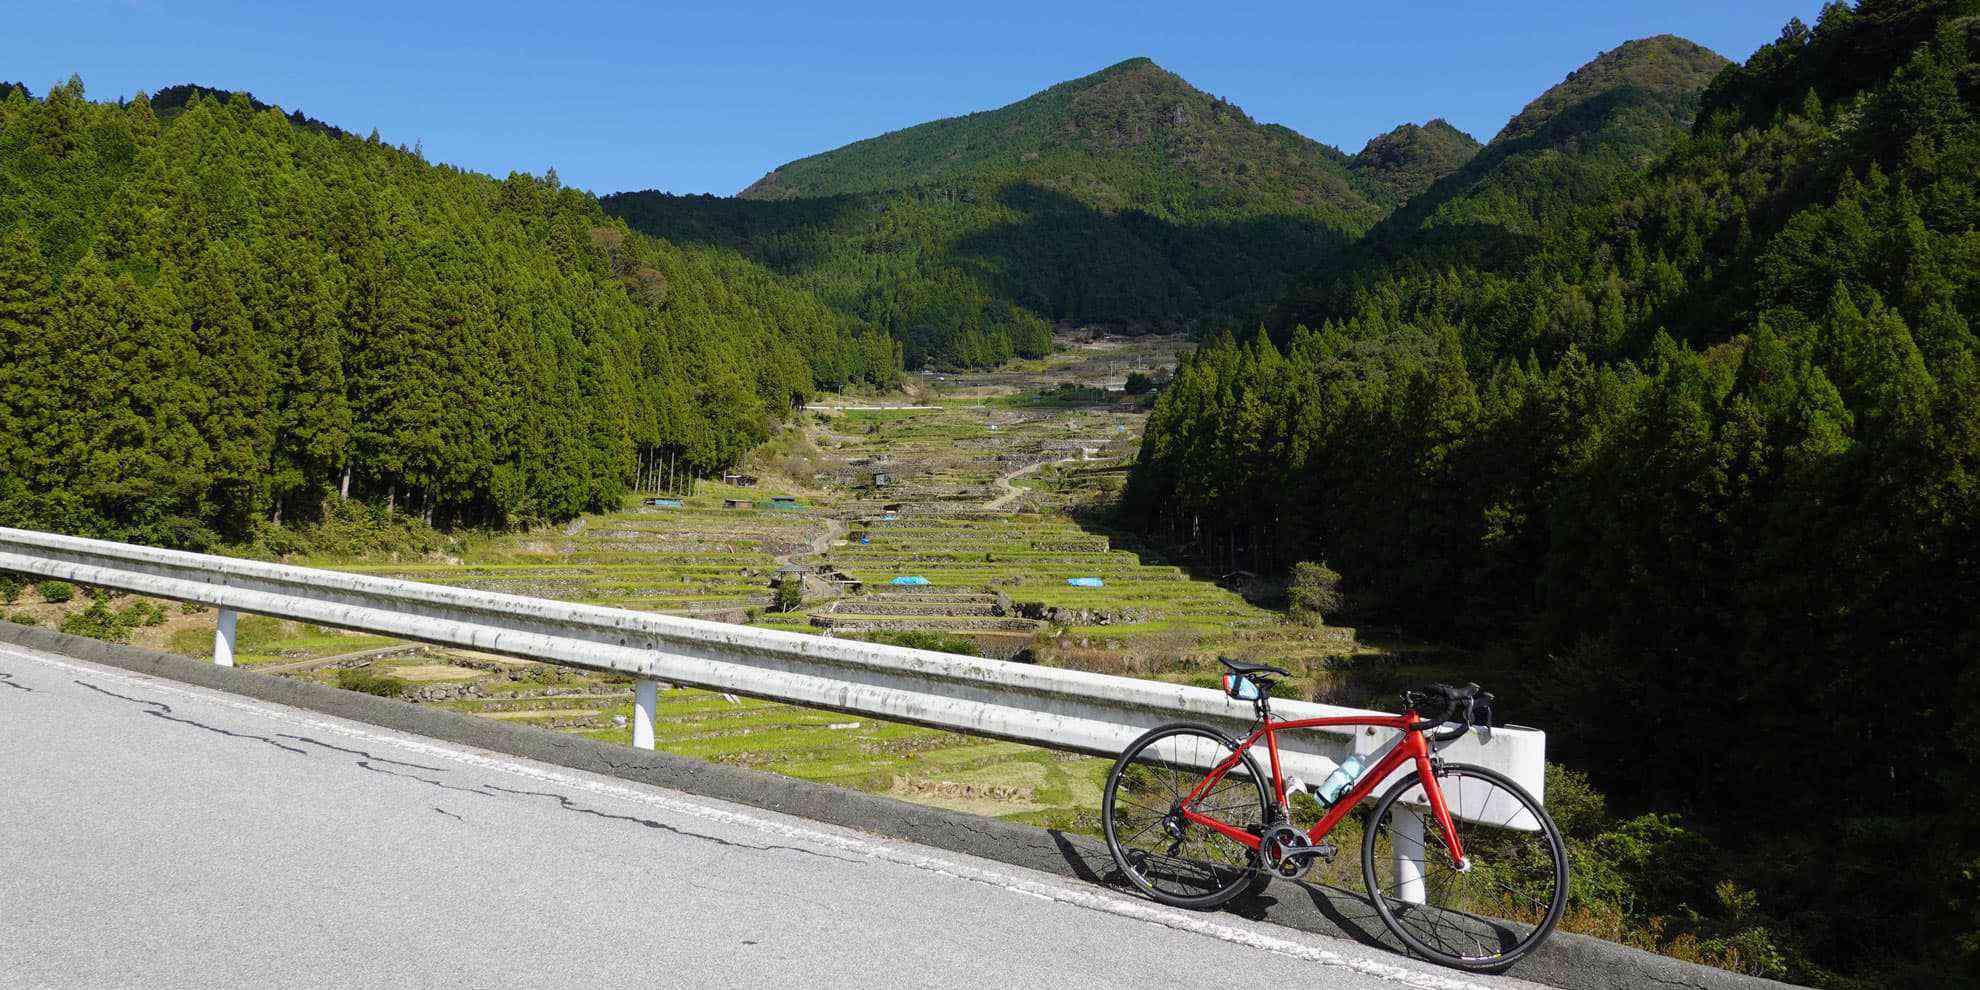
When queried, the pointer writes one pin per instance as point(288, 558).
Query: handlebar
point(1458, 705)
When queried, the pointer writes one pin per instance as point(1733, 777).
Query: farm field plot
point(697, 559)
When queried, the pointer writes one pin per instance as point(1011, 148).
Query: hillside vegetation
point(1691, 439)
point(1564, 153)
point(1392, 168)
point(1131, 136)
point(219, 315)
point(1124, 197)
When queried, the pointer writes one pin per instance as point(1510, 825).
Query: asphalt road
point(154, 834)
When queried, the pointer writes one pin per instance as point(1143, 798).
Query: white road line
point(888, 852)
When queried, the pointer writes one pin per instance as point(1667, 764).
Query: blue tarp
point(909, 580)
point(664, 503)
point(1086, 582)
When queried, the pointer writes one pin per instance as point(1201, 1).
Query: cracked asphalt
point(160, 835)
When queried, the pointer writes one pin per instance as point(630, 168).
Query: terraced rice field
point(984, 493)
point(1028, 558)
point(693, 560)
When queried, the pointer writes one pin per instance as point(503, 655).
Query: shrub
point(360, 679)
point(921, 639)
point(350, 528)
point(98, 622)
point(141, 613)
point(1315, 592)
point(55, 592)
point(790, 594)
point(1140, 383)
point(10, 589)
point(22, 618)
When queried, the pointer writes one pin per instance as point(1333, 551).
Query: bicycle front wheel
point(1171, 858)
point(1482, 914)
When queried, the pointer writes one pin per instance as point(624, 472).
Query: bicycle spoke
point(1514, 872)
point(1173, 857)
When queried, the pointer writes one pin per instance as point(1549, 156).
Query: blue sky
point(707, 97)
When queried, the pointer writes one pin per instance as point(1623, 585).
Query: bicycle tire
point(1234, 870)
point(1514, 938)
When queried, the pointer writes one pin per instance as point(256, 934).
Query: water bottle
point(1341, 779)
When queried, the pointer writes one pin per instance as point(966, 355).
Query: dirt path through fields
point(817, 589)
point(1012, 492)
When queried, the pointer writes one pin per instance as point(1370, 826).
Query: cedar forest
point(1667, 398)
point(213, 315)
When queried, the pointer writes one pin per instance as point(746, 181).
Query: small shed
point(735, 503)
point(787, 503)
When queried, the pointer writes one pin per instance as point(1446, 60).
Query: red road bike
point(1461, 863)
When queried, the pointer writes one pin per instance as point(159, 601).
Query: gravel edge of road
point(1568, 961)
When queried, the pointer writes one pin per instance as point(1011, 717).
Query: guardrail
point(1070, 710)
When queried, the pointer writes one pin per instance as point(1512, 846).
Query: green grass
point(259, 639)
point(862, 753)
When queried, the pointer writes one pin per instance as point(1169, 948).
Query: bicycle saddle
point(1243, 667)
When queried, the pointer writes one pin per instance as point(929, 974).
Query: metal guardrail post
point(646, 698)
point(223, 639)
point(1408, 835)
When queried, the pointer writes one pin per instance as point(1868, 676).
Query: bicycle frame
point(1411, 747)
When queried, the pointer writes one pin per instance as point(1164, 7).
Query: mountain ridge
point(1125, 197)
point(1597, 127)
point(1629, 103)
point(1077, 135)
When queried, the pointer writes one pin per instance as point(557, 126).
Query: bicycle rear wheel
point(1480, 915)
point(1172, 859)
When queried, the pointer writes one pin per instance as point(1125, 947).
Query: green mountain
point(1125, 197)
point(1133, 136)
point(223, 315)
point(1678, 429)
point(1628, 99)
point(1394, 167)
point(1565, 152)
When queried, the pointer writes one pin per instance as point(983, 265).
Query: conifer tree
point(24, 303)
